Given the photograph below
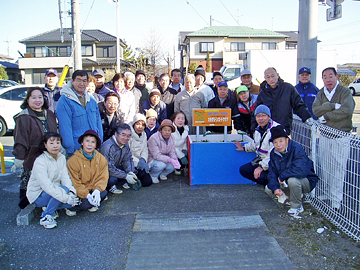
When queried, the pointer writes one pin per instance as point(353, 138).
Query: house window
point(64, 51)
point(52, 51)
point(269, 45)
point(206, 47)
point(106, 52)
point(31, 50)
point(237, 46)
point(87, 50)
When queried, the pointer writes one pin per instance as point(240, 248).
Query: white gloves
point(96, 197)
point(131, 178)
point(175, 163)
point(89, 197)
point(73, 200)
point(310, 121)
point(337, 106)
point(18, 164)
point(322, 120)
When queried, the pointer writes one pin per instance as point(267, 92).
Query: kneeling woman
point(88, 170)
point(162, 154)
point(50, 186)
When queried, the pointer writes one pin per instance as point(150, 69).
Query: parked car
point(231, 74)
point(355, 87)
point(10, 101)
point(7, 83)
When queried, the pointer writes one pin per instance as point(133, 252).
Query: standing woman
point(31, 124)
point(127, 99)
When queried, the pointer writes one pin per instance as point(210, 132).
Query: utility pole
point(8, 47)
point(211, 20)
point(118, 56)
point(75, 20)
point(307, 38)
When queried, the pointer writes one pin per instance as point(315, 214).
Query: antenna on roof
point(61, 23)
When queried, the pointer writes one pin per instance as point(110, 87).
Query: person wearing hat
point(140, 83)
point(257, 170)
point(162, 154)
point(51, 90)
point(289, 166)
point(154, 102)
point(246, 105)
point(246, 79)
point(152, 125)
point(101, 89)
point(200, 78)
point(88, 170)
point(168, 94)
point(306, 89)
point(224, 100)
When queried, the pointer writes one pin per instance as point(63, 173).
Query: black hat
point(91, 132)
point(278, 132)
point(216, 73)
point(200, 72)
point(140, 72)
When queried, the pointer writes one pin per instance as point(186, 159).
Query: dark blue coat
point(295, 163)
point(151, 132)
point(308, 92)
point(160, 108)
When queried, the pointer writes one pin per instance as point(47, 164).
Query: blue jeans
point(51, 203)
point(159, 167)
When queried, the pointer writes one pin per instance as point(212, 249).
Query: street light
point(118, 56)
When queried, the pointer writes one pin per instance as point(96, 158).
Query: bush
point(346, 79)
point(3, 74)
point(192, 67)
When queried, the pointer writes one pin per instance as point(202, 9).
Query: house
point(226, 44)
point(12, 69)
point(46, 50)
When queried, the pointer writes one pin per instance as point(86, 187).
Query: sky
point(138, 18)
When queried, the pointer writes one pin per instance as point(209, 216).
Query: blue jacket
point(52, 96)
point(308, 92)
point(160, 109)
point(74, 119)
point(295, 163)
point(151, 132)
point(103, 91)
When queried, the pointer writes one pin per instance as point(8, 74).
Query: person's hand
point(141, 164)
point(322, 120)
point(239, 146)
point(90, 198)
point(174, 162)
point(72, 190)
point(185, 152)
point(278, 192)
point(257, 172)
point(337, 106)
point(130, 178)
point(310, 121)
point(96, 197)
point(184, 161)
point(280, 181)
point(18, 164)
point(73, 200)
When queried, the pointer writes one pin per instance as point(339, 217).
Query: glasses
point(81, 81)
point(113, 104)
point(125, 135)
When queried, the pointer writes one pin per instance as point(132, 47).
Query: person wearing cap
point(88, 170)
point(257, 170)
point(120, 162)
point(101, 89)
point(152, 125)
point(168, 94)
point(217, 78)
point(51, 90)
point(77, 111)
point(289, 166)
point(282, 99)
point(111, 116)
point(91, 87)
point(246, 79)
point(224, 100)
point(162, 154)
point(139, 149)
point(200, 78)
point(130, 86)
point(246, 105)
point(176, 77)
point(140, 83)
point(306, 89)
point(154, 101)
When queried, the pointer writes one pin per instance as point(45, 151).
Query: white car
point(10, 100)
point(355, 87)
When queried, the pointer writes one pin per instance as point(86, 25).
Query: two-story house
point(46, 50)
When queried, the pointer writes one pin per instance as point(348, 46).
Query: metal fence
point(336, 156)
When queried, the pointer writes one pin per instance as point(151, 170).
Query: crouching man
point(289, 165)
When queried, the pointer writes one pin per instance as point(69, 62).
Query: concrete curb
point(27, 215)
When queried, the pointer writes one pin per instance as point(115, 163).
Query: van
point(232, 74)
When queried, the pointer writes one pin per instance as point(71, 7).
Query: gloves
point(337, 106)
point(175, 163)
point(130, 178)
point(18, 164)
point(322, 120)
point(142, 165)
point(184, 161)
point(185, 152)
point(96, 197)
point(310, 121)
point(73, 190)
point(73, 200)
point(89, 197)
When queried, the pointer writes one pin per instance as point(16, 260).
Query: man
point(246, 105)
point(168, 94)
point(334, 105)
point(176, 76)
point(282, 99)
point(101, 89)
point(140, 79)
point(217, 78)
point(154, 102)
point(246, 79)
point(224, 100)
point(111, 116)
point(120, 163)
point(200, 78)
point(130, 86)
point(188, 100)
point(289, 164)
point(52, 91)
point(77, 112)
point(306, 89)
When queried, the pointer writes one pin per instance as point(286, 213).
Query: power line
point(188, 2)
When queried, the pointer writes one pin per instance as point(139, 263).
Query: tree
point(129, 55)
point(192, 67)
point(208, 62)
point(153, 51)
point(3, 74)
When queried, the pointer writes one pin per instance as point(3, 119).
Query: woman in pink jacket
point(162, 154)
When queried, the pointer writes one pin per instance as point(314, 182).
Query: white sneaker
point(155, 180)
point(126, 186)
point(70, 213)
point(115, 190)
point(295, 211)
point(177, 172)
point(163, 177)
point(93, 209)
point(48, 222)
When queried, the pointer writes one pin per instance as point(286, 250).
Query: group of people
point(130, 136)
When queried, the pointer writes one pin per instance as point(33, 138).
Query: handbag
point(135, 186)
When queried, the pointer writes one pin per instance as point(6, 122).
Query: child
point(152, 124)
point(181, 132)
point(50, 186)
point(89, 173)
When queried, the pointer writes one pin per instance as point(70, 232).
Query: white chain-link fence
point(336, 156)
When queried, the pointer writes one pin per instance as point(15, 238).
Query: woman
point(31, 124)
point(162, 153)
point(181, 132)
point(91, 89)
point(50, 186)
point(139, 149)
point(127, 99)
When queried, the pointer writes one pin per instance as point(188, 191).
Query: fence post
point(2, 158)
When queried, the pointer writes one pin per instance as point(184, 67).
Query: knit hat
point(241, 88)
point(151, 113)
point(262, 109)
point(93, 133)
point(216, 73)
point(200, 72)
point(155, 92)
point(140, 72)
point(138, 117)
point(98, 72)
point(278, 132)
point(167, 123)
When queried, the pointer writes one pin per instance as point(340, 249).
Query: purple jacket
point(159, 149)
